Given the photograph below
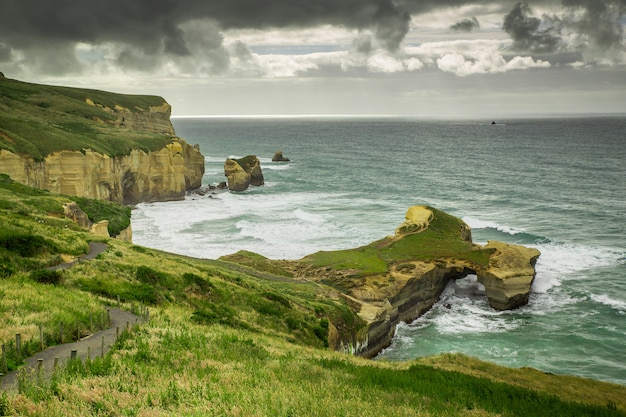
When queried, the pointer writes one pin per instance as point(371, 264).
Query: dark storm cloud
point(526, 31)
point(155, 24)
point(466, 25)
point(5, 53)
point(601, 21)
point(146, 33)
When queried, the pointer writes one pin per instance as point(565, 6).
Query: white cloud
point(281, 66)
point(383, 62)
point(485, 63)
point(525, 62)
point(321, 35)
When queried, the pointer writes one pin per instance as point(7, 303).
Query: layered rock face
point(510, 274)
point(162, 175)
point(241, 173)
point(156, 119)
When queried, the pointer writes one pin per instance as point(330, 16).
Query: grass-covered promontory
point(37, 120)
point(226, 339)
point(344, 269)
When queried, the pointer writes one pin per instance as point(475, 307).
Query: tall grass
point(173, 367)
point(26, 305)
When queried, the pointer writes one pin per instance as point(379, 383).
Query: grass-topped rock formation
point(400, 277)
point(94, 144)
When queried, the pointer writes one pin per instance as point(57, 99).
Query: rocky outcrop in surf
point(509, 275)
point(279, 157)
point(242, 173)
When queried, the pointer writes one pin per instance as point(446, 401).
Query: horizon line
point(400, 115)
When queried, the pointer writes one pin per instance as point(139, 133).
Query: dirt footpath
point(93, 344)
point(95, 249)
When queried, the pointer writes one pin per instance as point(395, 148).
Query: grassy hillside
point(37, 120)
point(228, 340)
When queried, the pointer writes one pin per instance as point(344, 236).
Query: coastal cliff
point(94, 144)
point(161, 175)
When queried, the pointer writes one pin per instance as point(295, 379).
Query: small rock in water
point(278, 157)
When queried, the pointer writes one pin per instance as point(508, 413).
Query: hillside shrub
point(24, 245)
point(148, 275)
point(321, 331)
point(202, 283)
point(144, 293)
point(217, 314)
point(45, 276)
point(278, 298)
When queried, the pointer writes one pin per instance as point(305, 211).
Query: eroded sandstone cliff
point(141, 176)
point(130, 177)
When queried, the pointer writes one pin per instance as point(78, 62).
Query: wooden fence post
point(41, 344)
point(18, 345)
point(5, 369)
point(73, 353)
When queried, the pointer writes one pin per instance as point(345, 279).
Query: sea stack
point(241, 173)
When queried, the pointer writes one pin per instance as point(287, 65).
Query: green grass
point(38, 120)
point(225, 342)
point(365, 261)
point(442, 240)
point(256, 262)
point(173, 367)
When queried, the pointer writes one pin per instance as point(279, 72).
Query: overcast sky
point(251, 57)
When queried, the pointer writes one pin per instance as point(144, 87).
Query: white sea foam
point(475, 223)
point(560, 261)
point(276, 166)
point(618, 305)
point(279, 226)
point(463, 308)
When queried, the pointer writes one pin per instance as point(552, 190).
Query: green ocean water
point(554, 183)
